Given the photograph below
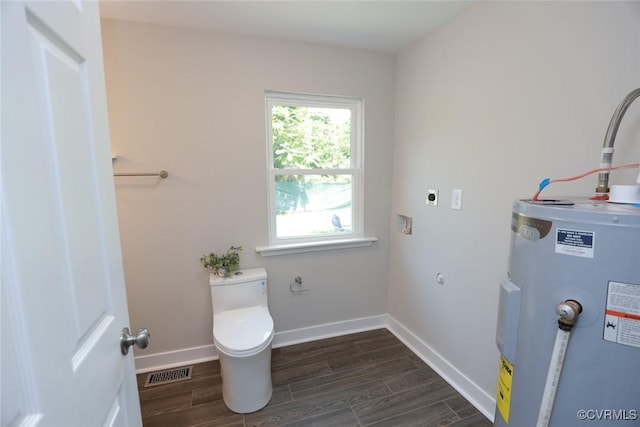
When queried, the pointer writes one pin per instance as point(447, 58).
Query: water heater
point(575, 259)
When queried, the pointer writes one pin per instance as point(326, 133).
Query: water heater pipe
point(602, 190)
point(568, 311)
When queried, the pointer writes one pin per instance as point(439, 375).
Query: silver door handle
point(141, 339)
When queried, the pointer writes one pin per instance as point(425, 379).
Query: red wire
point(573, 178)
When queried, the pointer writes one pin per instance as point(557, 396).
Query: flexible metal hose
point(609, 140)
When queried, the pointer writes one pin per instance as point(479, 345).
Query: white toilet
point(242, 333)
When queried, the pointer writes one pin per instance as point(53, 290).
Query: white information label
point(575, 242)
point(622, 317)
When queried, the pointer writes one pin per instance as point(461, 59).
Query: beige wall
point(192, 102)
point(505, 94)
point(500, 97)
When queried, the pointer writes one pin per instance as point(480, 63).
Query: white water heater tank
point(587, 252)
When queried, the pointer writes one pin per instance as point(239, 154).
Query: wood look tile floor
point(364, 379)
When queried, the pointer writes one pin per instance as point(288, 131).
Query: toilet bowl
point(243, 333)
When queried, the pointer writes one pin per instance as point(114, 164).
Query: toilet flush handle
point(141, 339)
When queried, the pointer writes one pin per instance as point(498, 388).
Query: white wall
point(505, 94)
point(502, 96)
point(192, 102)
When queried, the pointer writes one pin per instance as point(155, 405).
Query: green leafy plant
point(225, 264)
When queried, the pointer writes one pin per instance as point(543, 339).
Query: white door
point(63, 295)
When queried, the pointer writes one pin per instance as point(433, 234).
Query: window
point(315, 167)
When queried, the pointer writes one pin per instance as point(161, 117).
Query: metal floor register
point(168, 376)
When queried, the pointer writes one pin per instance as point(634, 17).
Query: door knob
point(141, 339)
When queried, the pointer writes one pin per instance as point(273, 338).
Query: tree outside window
point(314, 166)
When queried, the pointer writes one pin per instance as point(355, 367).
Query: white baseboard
point(482, 401)
point(173, 359)
point(329, 330)
point(188, 356)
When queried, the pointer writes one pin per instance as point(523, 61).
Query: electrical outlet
point(456, 200)
point(432, 197)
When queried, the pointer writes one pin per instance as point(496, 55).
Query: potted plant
point(225, 264)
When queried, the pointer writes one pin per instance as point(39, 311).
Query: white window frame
point(279, 246)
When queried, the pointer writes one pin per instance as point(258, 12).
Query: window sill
point(326, 245)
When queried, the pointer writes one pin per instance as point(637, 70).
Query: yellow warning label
point(503, 397)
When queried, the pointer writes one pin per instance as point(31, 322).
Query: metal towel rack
point(162, 174)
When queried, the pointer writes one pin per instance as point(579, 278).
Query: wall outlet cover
point(456, 199)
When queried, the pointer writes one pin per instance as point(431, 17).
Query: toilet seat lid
point(243, 331)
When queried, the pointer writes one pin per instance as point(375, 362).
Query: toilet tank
point(245, 288)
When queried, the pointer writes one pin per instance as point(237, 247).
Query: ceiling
point(387, 26)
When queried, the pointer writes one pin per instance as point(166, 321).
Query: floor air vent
point(168, 376)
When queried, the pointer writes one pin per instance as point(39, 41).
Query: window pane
point(313, 205)
point(311, 138)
